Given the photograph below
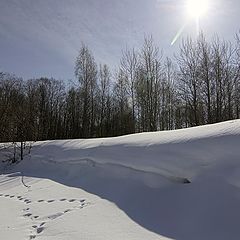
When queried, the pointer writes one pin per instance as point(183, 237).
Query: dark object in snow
point(180, 180)
point(186, 181)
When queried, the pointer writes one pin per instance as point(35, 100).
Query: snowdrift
point(176, 155)
point(135, 183)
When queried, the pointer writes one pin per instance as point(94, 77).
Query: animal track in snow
point(27, 215)
point(40, 229)
point(36, 229)
point(54, 216)
point(67, 210)
point(27, 201)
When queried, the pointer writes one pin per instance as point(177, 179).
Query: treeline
point(147, 93)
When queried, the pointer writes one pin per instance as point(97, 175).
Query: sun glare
point(197, 8)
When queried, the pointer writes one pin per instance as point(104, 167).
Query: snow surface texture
point(129, 187)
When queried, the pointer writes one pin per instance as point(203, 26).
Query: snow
point(129, 187)
point(48, 210)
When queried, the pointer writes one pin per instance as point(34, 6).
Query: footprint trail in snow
point(40, 222)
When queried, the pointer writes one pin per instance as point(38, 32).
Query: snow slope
point(129, 187)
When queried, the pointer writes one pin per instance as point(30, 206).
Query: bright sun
point(197, 8)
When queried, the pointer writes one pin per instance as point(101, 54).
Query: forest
point(148, 92)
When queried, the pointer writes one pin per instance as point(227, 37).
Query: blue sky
point(42, 37)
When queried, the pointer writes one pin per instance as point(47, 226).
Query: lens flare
point(196, 9)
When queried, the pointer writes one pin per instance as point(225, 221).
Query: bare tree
point(86, 72)
point(104, 89)
point(129, 66)
point(189, 86)
point(148, 85)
